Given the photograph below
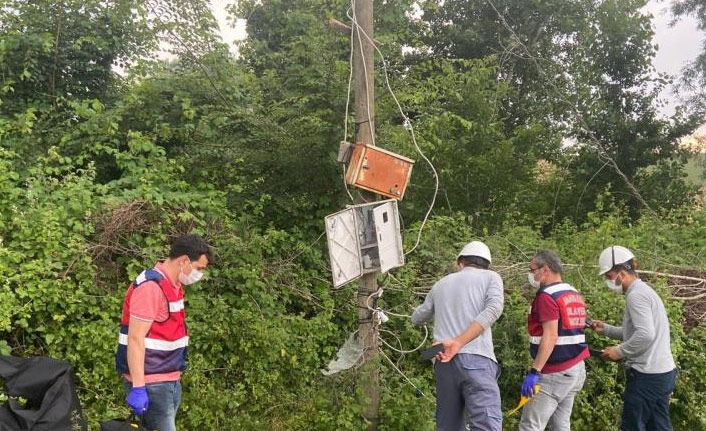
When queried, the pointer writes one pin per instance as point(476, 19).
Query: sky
point(678, 44)
point(230, 31)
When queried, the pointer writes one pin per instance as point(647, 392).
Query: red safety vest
point(166, 342)
point(571, 342)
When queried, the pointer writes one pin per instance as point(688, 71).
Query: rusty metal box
point(379, 171)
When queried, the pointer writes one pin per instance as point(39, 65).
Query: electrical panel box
point(379, 171)
point(362, 239)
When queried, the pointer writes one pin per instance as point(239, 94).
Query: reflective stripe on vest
point(561, 287)
point(176, 306)
point(562, 340)
point(151, 343)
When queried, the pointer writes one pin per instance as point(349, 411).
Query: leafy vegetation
point(99, 169)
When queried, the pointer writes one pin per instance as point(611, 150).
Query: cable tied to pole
point(406, 122)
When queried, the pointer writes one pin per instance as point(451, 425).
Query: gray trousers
point(468, 386)
point(555, 400)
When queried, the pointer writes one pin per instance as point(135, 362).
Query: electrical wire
point(377, 310)
point(378, 293)
point(390, 313)
point(404, 352)
point(348, 94)
point(345, 185)
point(403, 374)
point(407, 123)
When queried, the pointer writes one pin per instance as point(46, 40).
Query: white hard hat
point(611, 256)
point(475, 248)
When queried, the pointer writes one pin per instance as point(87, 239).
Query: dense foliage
point(99, 169)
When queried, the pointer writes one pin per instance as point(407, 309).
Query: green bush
point(265, 321)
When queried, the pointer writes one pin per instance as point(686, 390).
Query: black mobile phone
point(589, 322)
point(432, 352)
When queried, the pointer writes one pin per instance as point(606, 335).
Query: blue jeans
point(646, 401)
point(165, 398)
point(467, 388)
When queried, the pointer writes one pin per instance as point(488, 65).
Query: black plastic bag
point(48, 387)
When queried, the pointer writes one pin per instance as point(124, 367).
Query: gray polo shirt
point(645, 331)
point(457, 300)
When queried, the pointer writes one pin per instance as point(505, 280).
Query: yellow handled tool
point(523, 401)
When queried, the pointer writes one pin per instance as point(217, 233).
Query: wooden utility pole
point(363, 69)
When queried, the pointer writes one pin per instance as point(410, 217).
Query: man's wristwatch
point(534, 371)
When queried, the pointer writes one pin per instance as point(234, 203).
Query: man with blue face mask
point(153, 337)
point(651, 372)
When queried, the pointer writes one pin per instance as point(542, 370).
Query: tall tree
point(616, 120)
point(54, 55)
point(582, 70)
point(52, 50)
point(301, 68)
point(520, 34)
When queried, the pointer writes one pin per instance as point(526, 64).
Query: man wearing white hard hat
point(463, 306)
point(646, 350)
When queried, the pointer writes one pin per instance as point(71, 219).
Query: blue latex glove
point(138, 400)
point(528, 385)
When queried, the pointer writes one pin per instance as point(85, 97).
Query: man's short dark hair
point(192, 245)
point(474, 261)
point(549, 259)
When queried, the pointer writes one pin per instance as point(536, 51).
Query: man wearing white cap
point(651, 372)
point(463, 306)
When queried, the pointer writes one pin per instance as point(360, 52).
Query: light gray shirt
point(645, 331)
point(459, 299)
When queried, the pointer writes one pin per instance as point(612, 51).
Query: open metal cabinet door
point(343, 247)
point(387, 226)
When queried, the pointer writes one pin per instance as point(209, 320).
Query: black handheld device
point(432, 352)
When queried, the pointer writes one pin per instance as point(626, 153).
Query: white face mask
point(614, 286)
point(194, 276)
point(532, 281)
